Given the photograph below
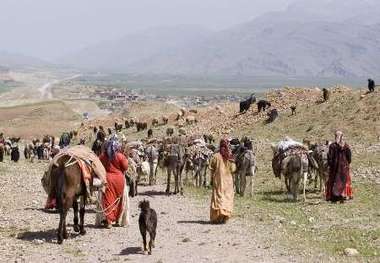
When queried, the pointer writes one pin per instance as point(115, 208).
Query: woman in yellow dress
point(222, 167)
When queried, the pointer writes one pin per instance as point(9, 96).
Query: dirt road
point(27, 233)
point(45, 89)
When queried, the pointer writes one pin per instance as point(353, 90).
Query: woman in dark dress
point(338, 186)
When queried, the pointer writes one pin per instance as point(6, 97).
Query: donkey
point(174, 163)
point(200, 163)
point(68, 186)
point(246, 104)
point(246, 168)
point(295, 167)
point(319, 153)
point(2, 150)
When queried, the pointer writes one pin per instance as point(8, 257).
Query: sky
point(50, 29)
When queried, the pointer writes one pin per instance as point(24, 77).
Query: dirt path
point(27, 233)
point(45, 89)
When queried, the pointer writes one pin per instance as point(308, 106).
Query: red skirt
point(112, 198)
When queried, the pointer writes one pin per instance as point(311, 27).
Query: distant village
point(114, 99)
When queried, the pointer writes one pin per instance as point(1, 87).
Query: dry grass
point(37, 119)
point(318, 227)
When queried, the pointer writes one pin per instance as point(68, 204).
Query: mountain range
point(313, 38)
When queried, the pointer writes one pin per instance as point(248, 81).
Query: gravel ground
point(28, 233)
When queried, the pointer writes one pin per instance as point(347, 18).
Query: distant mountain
point(12, 60)
point(119, 55)
point(324, 38)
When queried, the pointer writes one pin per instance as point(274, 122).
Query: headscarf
point(339, 138)
point(225, 150)
point(112, 147)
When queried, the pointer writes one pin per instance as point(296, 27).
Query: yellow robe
point(222, 199)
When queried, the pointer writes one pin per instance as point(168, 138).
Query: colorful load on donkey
point(89, 163)
point(283, 149)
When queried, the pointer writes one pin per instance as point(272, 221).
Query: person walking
point(222, 201)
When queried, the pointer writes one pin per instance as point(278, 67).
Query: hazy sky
point(53, 28)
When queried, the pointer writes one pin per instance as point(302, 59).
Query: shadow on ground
point(48, 235)
point(153, 193)
point(130, 251)
point(48, 211)
point(199, 222)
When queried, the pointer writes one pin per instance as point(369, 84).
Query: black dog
point(147, 223)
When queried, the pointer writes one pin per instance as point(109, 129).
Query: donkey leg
point(243, 184)
point(176, 186)
point(65, 235)
point(169, 174)
point(251, 185)
point(204, 171)
point(81, 213)
point(60, 226)
point(304, 186)
point(293, 187)
point(237, 182)
point(180, 182)
point(76, 219)
point(251, 180)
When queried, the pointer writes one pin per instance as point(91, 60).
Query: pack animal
point(155, 122)
point(150, 133)
point(118, 127)
point(165, 120)
point(272, 116)
point(173, 159)
point(326, 94)
point(295, 166)
point(15, 153)
point(191, 120)
point(2, 150)
point(246, 167)
point(320, 152)
point(169, 131)
point(246, 104)
point(28, 151)
point(294, 110)
point(140, 126)
point(262, 105)
point(69, 186)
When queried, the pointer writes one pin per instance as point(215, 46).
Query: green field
point(209, 86)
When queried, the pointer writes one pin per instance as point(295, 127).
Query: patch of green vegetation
point(315, 225)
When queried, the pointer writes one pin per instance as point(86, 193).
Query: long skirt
point(112, 203)
point(124, 218)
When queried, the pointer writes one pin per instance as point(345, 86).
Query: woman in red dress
point(115, 164)
point(338, 185)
